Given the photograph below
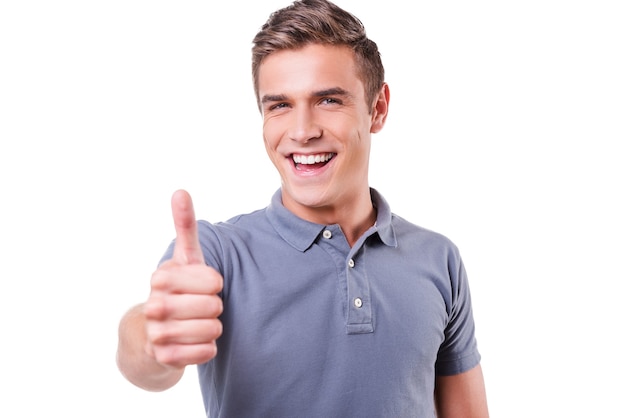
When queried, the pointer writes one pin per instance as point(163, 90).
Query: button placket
point(349, 261)
point(359, 309)
point(358, 302)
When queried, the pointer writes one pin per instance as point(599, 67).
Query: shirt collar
point(301, 234)
point(384, 226)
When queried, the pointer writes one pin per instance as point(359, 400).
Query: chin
point(310, 197)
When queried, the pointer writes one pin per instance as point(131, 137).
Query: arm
point(179, 323)
point(462, 395)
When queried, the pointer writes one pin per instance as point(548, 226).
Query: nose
point(304, 126)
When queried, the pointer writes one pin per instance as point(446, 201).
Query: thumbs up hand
point(182, 310)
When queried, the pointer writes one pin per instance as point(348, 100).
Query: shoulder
point(406, 234)
point(239, 226)
point(413, 235)
point(431, 253)
point(226, 240)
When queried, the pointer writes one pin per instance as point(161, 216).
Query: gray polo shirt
point(315, 328)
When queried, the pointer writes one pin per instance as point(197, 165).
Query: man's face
point(317, 127)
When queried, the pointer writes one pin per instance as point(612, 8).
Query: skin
point(462, 395)
point(178, 324)
point(313, 104)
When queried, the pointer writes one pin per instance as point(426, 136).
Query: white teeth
point(312, 159)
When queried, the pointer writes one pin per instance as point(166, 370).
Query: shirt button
point(327, 234)
point(358, 302)
point(351, 263)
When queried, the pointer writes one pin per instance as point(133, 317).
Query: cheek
point(269, 138)
point(270, 149)
point(271, 133)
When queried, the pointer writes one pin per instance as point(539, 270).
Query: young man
point(323, 304)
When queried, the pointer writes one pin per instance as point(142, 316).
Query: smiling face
point(317, 128)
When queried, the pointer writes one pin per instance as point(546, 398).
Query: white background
point(506, 134)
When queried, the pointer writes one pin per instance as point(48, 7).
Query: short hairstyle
point(306, 22)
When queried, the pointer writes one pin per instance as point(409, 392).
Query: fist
point(182, 310)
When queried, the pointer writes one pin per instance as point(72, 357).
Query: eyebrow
point(333, 91)
point(273, 98)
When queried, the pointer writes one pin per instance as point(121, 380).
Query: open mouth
point(312, 161)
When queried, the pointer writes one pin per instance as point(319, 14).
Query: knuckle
point(216, 280)
point(156, 308)
point(210, 351)
point(161, 333)
point(166, 356)
point(160, 279)
point(155, 333)
point(219, 306)
point(217, 328)
point(213, 307)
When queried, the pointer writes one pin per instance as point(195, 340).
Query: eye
point(278, 106)
point(330, 100)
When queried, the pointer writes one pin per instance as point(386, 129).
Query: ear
point(380, 109)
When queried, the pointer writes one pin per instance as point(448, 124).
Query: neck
point(353, 230)
point(354, 216)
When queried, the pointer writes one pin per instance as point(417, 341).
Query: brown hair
point(307, 22)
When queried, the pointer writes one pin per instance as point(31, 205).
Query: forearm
point(133, 360)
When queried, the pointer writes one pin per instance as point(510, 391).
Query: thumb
point(187, 246)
